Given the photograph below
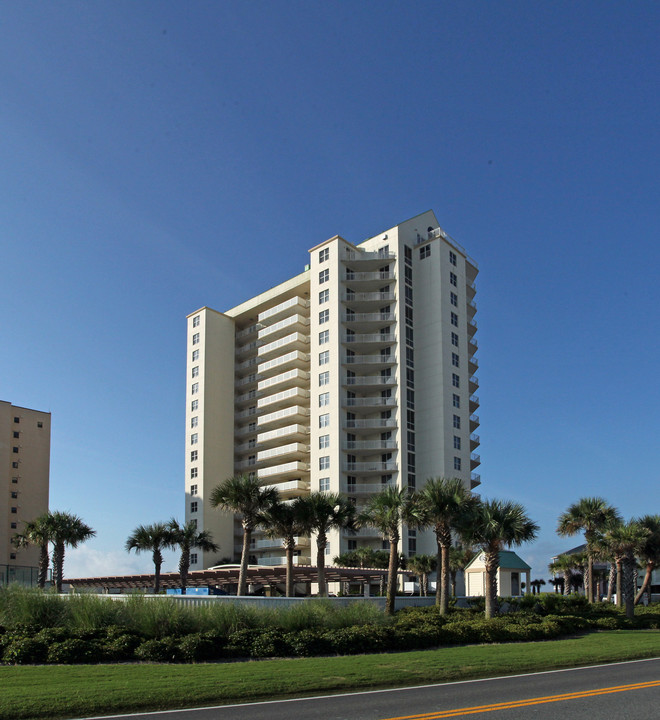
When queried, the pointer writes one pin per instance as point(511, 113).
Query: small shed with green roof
point(512, 573)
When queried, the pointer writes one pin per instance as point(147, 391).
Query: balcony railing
point(369, 297)
point(283, 450)
point(295, 467)
point(281, 560)
point(370, 467)
point(371, 380)
point(370, 402)
point(285, 377)
point(369, 317)
point(368, 276)
point(284, 414)
point(283, 326)
point(247, 332)
point(364, 488)
point(291, 339)
point(375, 423)
point(294, 302)
point(369, 359)
point(350, 255)
point(370, 338)
point(294, 357)
point(369, 445)
point(440, 233)
point(289, 430)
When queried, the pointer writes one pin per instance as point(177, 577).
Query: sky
point(156, 157)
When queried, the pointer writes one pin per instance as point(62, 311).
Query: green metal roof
point(508, 561)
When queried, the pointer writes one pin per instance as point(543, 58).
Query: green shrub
point(269, 643)
point(25, 651)
point(120, 648)
point(163, 650)
point(308, 643)
point(239, 643)
point(359, 639)
point(75, 651)
point(201, 647)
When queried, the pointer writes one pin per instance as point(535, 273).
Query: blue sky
point(160, 156)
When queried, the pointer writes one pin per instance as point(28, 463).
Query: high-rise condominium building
point(356, 374)
point(24, 474)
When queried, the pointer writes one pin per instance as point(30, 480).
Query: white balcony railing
point(370, 402)
point(369, 317)
point(294, 302)
point(369, 297)
point(369, 445)
point(368, 276)
point(370, 338)
point(375, 423)
point(375, 467)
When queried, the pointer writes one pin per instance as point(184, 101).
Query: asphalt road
point(613, 692)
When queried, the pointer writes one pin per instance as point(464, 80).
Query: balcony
point(358, 362)
point(249, 397)
point(286, 471)
point(290, 377)
point(247, 364)
point(246, 382)
point(290, 432)
point(378, 257)
point(474, 383)
point(473, 345)
point(284, 308)
point(244, 448)
point(475, 460)
point(366, 532)
point(368, 277)
point(369, 468)
point(472, 327)
point(475, 480)
point(473, 363)
point(268, 543)
point(243, 414)
point(293, 359)
point(364, 488)
point(370, 381)
point(372, 445)
point(291, 396)
point(292, 488)
point(281, 560)
point(286, 416)
point(382, 339)
point(241, 334)
point(294, 341)
point(370, 424)
point(283, 327)
point(374, 401)
point(474, 402)
point(290, 451)
point(368, 297)
point(360, 318)
point(475, 441)
point(474, 422)
point(248, 347)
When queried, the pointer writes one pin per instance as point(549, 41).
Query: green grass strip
point(61, 691)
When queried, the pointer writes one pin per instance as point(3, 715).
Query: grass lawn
point(75, 691)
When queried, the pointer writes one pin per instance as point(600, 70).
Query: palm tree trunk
point(158, 562)
point(438, 572)
point(444, 579)
point(629, 584)
point(184, 566)
point(611, 579)
point(44, 560)
point(321, 542)
point(647, 580)
point(245, 555)
point(58, 565)
point(567, 582)
point(619, 582)
point(589, 579)
point(492, 563)
point(392, 575)
point(288, 550)
point(452, 576)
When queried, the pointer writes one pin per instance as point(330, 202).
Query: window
point(40, 424)
point(455, 380)
point(352, 545)
point(194, 438)
point(196, 321)
point(456, 401)
point(454, 339)
point(194, 405)
point(324, 317)
point(324, 276)
point(193, 456)
point(193, 472)
point(324, 378)
point(454, 360)
point(14, 511)
point(454, 319)
point(324, 420)
point(453, 279)
point(324, 296)
point(410, 357)
point(196, 339)
point(193, 558)
point(453, 298)
point(324, 399)
point(407, 253)
point(195, 355)
point(324, 484)
point(324, 442)
point(324, 462)
point(457, 422)
point(194, 522)
point(324, 337)
point(193, 489)
point(12, 556)
point(14, 449)
point(194, 389)
point(457, 442)
point(194, 421)
point(14, 480)
point(17, 419)
point(324, 254)
point(14, 526)
point(14, 465)
point(457, 463)
point(14, 494)
point(452, 257)
point(424, 252)
point(193, 506)
point(324, 357)
point(16, 434)
point(195, 371)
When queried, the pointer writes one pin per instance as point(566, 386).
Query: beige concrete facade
point(358, 373)
point(24, 480)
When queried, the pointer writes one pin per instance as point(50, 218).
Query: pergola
point(228, 575)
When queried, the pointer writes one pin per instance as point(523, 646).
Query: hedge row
point(418, 629)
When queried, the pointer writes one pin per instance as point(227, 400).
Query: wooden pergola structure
point(228, 575)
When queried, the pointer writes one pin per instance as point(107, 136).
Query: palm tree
point(649, 554)
point(66, 529)
point(37, 532)
point(459, 557)
point(625, 540)
point(423, 565)
point(495, 525)
point(446, 504)
point(591, 515)
point(563, 565)
point(387, 512)
point(322, 512)
point(154, 538)
point(188, 538)
point(244, 495)
point(286, 521)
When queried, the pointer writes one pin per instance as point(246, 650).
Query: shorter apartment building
point(24, 481)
